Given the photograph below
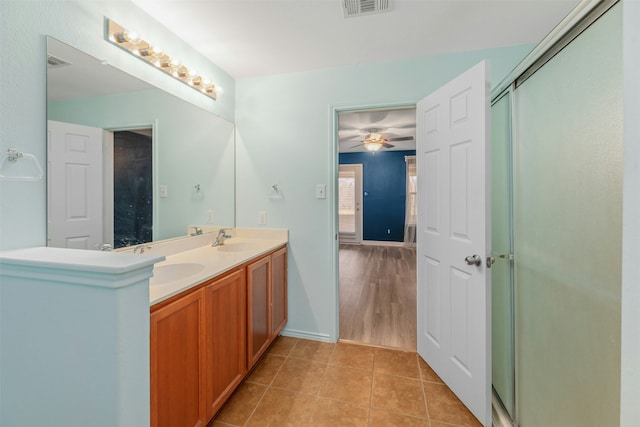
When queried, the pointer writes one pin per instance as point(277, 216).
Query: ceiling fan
point(375, 140)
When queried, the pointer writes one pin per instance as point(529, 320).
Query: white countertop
point(202, 261)
point(77, 267)
point(77, 259)
point(214, 261)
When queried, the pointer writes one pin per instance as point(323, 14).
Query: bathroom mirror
point(129, 163)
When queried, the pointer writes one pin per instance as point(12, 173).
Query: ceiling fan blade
point(357, 145)
point(350, 139)
point(402, 138)
point(385, 145)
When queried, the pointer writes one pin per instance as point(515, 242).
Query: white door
point(454, 291)
point(75, 211)
point(350, 203)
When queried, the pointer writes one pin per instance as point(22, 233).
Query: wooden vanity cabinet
point(278, 298)
point(177, 363)
point(198, 352)
point(267, 302)
point(204, 341)
point(226, 330)
point(258, 278)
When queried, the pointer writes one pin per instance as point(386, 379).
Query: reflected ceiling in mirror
point(185, 175)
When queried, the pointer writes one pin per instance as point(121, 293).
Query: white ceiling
point(262, 37)
point(394, 123)
point(85, 75)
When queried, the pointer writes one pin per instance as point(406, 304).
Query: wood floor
point(378, 295)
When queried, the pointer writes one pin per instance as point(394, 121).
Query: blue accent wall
point(384, 193)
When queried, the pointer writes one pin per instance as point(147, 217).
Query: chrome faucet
point(105, 247)
point(222, 235)
point(140, 249)
point(196, 231)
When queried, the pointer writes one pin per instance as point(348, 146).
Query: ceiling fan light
point(377, 138)
point(372, 146)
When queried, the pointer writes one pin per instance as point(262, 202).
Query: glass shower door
point(568, 233)
point(502, 341)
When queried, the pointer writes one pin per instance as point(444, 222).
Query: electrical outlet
point(262, 218)
point(210, 217)
point(388, 231)
point(163, 191)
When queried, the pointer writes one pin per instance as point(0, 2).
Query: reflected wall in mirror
point(105, 183)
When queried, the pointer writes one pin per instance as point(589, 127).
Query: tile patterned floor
point(310, 383)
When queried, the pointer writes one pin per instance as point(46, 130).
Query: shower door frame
point(503, 413)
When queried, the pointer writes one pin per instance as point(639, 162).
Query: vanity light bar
point(132, 43)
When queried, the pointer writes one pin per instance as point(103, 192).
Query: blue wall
point(384, 193)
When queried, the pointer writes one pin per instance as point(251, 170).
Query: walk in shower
point(557, 207)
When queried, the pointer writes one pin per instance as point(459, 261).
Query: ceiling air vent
point(55, 62)
point(365, 7)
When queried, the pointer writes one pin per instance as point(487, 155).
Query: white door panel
point(75, 181)
point(454, 297)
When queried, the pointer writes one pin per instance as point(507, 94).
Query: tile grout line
point(424, 392)
point(324, 378)
point(270, 382)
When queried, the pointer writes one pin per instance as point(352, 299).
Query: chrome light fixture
point(130, 42)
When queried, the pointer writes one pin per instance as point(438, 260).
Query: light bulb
point(157, 52)
point(372, 146)
point(183, 72)
point(126, 36)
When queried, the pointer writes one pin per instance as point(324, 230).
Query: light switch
point(210, 217)
point(163, 191)
point(262, 218)
point(321, 191)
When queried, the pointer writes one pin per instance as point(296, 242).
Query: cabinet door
point(177, 363)
point(226, 330)
point(258, 289)
point(278, 292)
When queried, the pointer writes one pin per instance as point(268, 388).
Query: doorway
point(377, 275)
point(132, 187)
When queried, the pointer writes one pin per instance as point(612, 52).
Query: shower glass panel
point(502, 358)
point(568, 233)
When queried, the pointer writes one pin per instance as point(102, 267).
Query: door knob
point(473, 260)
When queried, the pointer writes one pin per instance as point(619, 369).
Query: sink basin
point(172, 272)
point(234, 247)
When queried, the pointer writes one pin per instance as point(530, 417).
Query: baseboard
point(306, 335)
point(381, 243)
